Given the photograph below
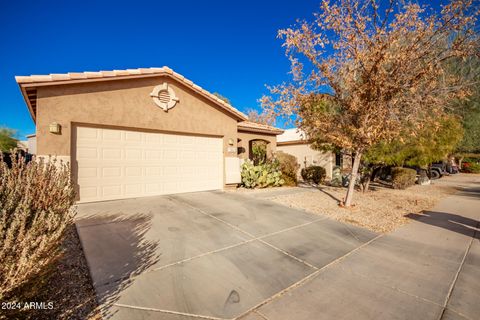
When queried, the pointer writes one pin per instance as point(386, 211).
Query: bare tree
point(263, 118)
point(360, 73)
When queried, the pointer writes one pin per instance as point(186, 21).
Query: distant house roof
point(258, 127)
point(28, 84)
point(291, 136)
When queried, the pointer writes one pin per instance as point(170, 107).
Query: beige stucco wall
point(245, 137)
point(306, 156)
point(126, 104)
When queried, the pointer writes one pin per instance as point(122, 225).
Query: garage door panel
point(85, 133)
point(115, 164)
point(134, 189)
point(86, 153)
point(133, 154)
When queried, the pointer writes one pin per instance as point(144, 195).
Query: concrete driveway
point(211, 255)
point(215, 255)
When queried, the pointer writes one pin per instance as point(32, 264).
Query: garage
point(138, 132)
point(117, 164)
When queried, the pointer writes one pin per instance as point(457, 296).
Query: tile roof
point(65, 78)
point(293, 134)
point(258, 127)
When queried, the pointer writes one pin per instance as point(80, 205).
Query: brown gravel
point(382, 209)
point(68, 285)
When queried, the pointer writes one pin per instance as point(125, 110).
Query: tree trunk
point(353, 179)
point(460, 163)
point(366, 185)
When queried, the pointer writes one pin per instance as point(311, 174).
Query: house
point(32, 144)
point(294, 142)
point(139, 132)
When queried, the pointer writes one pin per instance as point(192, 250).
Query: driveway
point(217, 255)
point(214, 255)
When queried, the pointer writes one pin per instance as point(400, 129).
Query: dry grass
point(382, 209)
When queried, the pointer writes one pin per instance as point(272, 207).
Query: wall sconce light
point(230, 142)
point(54, 128)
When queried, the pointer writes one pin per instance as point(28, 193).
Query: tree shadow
point(117, 251)
point(379, 185)
point(471, 192)
point(321, 189)
point(448, 221)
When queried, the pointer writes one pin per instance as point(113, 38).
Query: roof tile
point(259, 126)
point(128, 72)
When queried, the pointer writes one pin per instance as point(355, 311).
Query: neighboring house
point(22, 145)
point(293, 142)
point(139, 132)
point(32, 144)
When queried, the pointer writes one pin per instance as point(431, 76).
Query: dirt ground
point(68, 287)
point(381, 209)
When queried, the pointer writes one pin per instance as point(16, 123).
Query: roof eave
point(24, 83)
point(258, 130)
point(27, 101)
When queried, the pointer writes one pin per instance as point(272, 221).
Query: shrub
point(35, 208)
point(314, 174)
point(289, 167)
point(263, 175)
point(471, 167)
point(259, 152)
point(403, 178)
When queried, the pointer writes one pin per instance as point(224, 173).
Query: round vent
point(164, 96)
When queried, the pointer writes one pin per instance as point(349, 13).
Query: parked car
point(7, 157)
point(452, 169)
point(438, 170)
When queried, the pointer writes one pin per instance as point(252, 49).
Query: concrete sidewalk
point(428, 269)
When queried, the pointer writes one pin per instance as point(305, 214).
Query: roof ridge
point(86, 75)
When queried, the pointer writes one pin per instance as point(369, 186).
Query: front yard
point(381, 209)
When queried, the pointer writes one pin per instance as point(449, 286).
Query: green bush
point(259, 152)
point(264, 175)
point(289, 167)
point(403, 178)
point(35, 208)
point(314, 174)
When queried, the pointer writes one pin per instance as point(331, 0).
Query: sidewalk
point(428, 269)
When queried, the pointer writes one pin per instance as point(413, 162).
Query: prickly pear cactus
point(263, 175)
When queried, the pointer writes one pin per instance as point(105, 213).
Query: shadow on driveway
point(449, 221)
point(131, 256)
point(453, 222)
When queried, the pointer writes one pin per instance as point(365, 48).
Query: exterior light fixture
point(54, 128)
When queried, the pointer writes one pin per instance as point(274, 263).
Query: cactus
point(263, 175)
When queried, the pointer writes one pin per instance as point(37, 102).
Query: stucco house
point(139, 132)
point(294, 142)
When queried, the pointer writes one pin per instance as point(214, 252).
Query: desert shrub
point(403, 178)
point(264, 175)
point(35, 208)
point(314, 174)
point(289, 167)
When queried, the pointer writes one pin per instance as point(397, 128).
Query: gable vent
point(164, 96)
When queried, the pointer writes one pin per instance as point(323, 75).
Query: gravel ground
point(381, 209)
point(68, 286)
point(72, 290)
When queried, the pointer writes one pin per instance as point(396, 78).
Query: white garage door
point(116, 164)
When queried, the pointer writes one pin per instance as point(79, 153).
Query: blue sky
point(224, 46)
